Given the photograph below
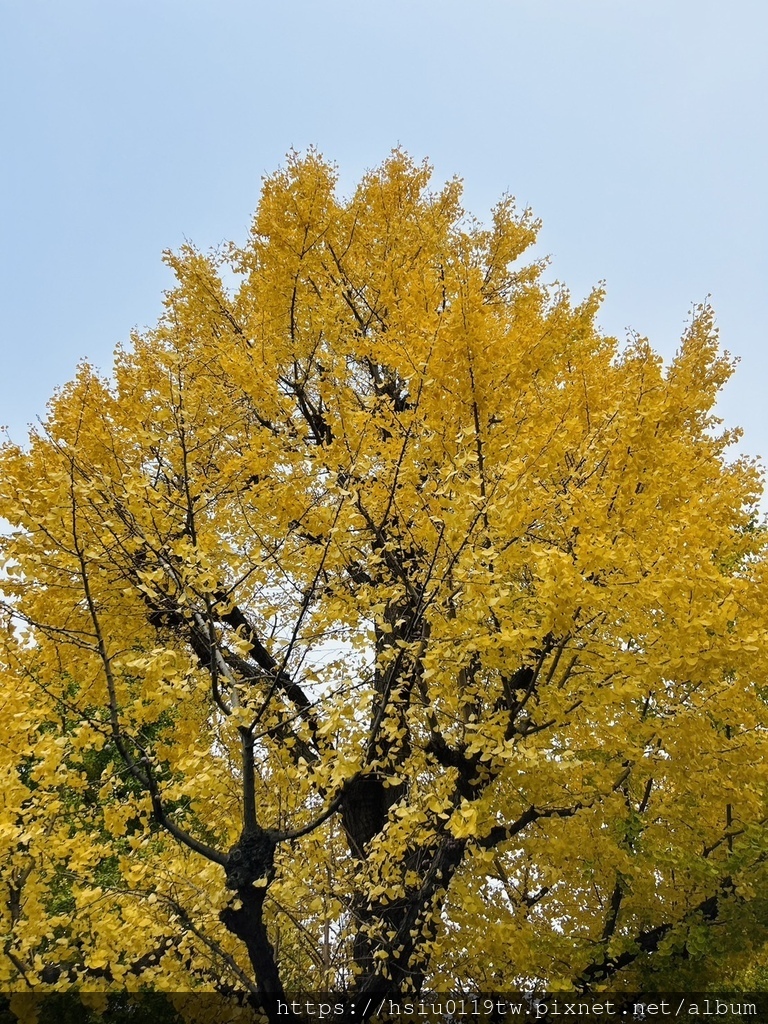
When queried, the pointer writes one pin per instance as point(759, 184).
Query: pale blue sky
point(635, 128)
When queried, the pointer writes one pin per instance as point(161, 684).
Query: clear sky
point(636, 129)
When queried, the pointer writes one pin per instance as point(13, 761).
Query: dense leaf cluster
point(382, 624)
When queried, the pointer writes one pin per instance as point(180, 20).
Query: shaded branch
point(649, 940)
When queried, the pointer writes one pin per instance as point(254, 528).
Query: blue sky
point(636, 129)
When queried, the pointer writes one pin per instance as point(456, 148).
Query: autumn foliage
point(382, 625)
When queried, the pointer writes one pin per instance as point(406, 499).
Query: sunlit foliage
point(381, 623)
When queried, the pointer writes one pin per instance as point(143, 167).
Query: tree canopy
point(382, 625)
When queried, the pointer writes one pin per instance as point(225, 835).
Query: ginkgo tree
point(382, 625)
